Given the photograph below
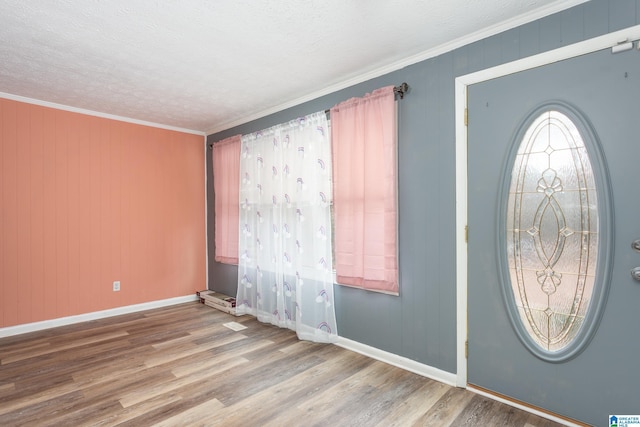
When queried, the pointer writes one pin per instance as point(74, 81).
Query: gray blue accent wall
point(420, 324)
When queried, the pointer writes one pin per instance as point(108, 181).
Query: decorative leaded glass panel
point(552, 230)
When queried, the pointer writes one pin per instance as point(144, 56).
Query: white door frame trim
point(461, 84)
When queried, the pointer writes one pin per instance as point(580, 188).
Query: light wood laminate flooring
point(179, 366)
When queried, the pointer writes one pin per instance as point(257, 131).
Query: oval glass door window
point(552, 233)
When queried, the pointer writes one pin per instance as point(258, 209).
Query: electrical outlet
point(116, 286)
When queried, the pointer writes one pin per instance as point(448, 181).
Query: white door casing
point(461, 85)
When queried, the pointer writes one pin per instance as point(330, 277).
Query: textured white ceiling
point(208, 64)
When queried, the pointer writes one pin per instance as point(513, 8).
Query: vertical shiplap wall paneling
point(596, 18)
point(174, 206)
point(134, 231)
point(145, 233)
point(412, 154)
point(48, 216)
point(418, 213)
point(553, 31)
point(10, 216)
point(443, 354)
point(492, 52)
point(571, 29)
point(73, 218)
point(124, 206)
point(151, 251)
point(139, 200)
point(170, 205)
point(83, 221)
point(475, 55)
point(116, 142)
point(85, 201)
point(419, 220)
point(420, 323)
point(622, 14)
point(96, 196)
point(529, 39)
point(61, 190)
point(108, 271)
point(73, 213)
point(23, 208)
point(36, 214)
point(508, 45)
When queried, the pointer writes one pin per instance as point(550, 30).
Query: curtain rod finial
point(401, 90)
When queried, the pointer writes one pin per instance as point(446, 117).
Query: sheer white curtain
point(285, 248)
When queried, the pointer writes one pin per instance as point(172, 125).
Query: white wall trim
point(534, 15)
point(461, 232)
point(96, 113)
point(461, 84)
point(581, 48)
point(63, 321)
point(398, 361)
point(525, 408)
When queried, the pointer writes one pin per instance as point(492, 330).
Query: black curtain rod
point(399, 90)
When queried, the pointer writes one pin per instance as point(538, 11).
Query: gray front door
point(598, 373)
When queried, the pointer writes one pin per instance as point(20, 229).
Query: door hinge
point(466, 234)
point(466, 116)
point(466, 349)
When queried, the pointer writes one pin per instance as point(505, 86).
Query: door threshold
point(525, 406)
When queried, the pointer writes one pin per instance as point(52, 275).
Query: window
point(226, 179)
point(285, 267)
point(364, 203)
point(364, 141)
point(552, 231)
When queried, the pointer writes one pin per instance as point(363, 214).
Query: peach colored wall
point(85, 201)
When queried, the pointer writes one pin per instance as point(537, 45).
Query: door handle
point(635, 273)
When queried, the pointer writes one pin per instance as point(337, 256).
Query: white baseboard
point(437, 374)
point(525, 408)
point(399, 361)
point(62, 321)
